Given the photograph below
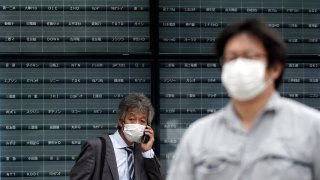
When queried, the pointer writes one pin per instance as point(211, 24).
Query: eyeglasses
point(250, 55)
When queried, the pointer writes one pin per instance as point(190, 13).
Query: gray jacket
point(282, 144)
point(87, 166)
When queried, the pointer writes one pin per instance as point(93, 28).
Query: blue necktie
point(130, 162)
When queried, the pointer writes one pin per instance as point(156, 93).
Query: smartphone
point(145, 138)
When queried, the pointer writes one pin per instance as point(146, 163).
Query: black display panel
point(190, 90)
point(49, 108)
point(191, 26)
point(73, 26)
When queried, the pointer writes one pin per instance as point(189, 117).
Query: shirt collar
point(233, 120)
point(120, 143)
point(273, 103)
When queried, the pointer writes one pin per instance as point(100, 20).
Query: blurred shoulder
point(300, 111)
point(206, 123)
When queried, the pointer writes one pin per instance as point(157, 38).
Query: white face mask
point(244, 78)
point(133, 132)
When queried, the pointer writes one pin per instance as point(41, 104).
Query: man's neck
point(247, 111)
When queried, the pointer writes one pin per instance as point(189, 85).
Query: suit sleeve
point(153, 169)
point(83, 169)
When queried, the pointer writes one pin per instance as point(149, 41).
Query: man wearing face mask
point(258, 135)
point(128, 152)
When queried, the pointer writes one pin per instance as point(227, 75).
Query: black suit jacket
point(87, 166)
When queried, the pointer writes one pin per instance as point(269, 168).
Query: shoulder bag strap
point(103, 155)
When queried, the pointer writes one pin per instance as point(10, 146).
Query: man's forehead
point(135, 111)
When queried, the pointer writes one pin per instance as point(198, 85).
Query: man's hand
point(147, 146)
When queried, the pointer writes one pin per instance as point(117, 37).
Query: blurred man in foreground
point(258, 135)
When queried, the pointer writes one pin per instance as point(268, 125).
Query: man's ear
point(276, 70)
point(120, 123)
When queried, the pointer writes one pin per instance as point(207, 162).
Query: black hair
point(271, 40)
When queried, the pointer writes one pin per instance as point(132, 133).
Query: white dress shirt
point(121, 155)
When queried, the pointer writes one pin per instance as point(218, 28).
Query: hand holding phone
point(147, 139)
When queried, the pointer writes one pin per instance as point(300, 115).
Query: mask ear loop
point(269, 81)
